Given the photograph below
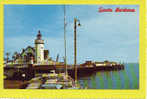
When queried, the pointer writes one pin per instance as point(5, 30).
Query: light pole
point(75, 46)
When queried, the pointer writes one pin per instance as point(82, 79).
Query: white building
point(39, 47)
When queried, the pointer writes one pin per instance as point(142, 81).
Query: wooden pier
point(21, 72)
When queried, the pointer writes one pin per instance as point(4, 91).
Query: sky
point(102, 36)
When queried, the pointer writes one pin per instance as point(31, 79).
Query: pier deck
point(17, 72)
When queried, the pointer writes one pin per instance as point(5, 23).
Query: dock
point(17, 71)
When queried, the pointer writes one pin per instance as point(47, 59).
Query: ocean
point(122, 79)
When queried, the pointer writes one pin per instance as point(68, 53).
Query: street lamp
point(75, 46)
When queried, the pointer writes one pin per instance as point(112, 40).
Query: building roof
point(26, 49)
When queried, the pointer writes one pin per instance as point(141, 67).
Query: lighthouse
point(39, 47)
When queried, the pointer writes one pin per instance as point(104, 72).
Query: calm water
point(123, 79)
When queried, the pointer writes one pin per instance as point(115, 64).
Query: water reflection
point(123, 79)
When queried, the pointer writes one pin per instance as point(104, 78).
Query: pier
point(16, 71)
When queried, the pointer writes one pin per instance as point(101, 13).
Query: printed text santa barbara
point(118, 9)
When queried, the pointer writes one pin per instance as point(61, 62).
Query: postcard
point(73, 49)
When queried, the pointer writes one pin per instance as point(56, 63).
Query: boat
point(51, 81)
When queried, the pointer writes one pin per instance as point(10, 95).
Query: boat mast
point(66, 73)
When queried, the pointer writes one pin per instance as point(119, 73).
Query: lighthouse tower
point(39, 47)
